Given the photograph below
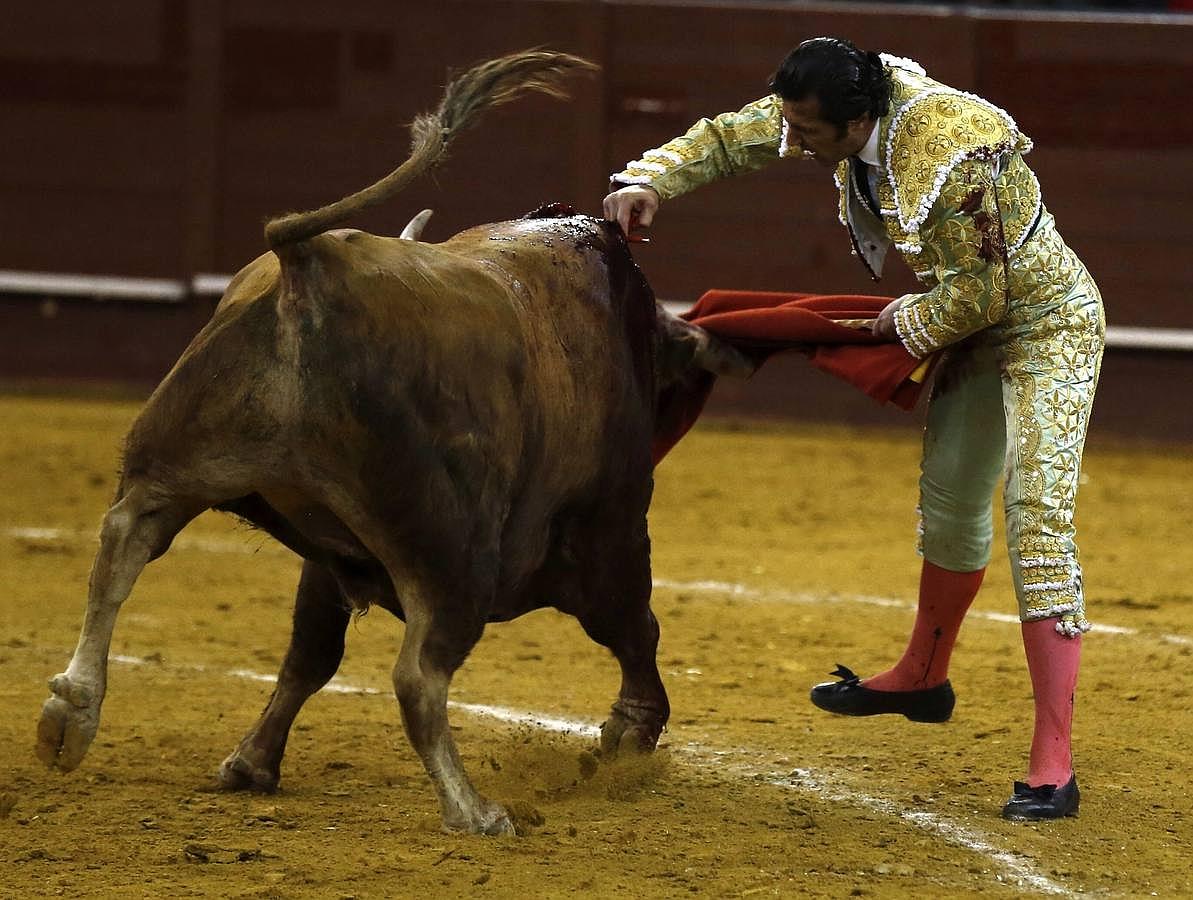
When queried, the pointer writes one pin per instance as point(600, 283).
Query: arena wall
point(152, 143)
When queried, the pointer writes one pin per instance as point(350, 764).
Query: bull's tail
point(488, 84)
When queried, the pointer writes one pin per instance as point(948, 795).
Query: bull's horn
point(414, 230)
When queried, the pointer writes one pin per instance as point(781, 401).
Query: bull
point(458, 433)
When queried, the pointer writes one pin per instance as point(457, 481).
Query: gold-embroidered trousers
point(1012, 402)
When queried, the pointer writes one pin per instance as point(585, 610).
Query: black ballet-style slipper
point(1031, 804)
point(849, 697)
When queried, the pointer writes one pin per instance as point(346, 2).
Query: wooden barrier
point(154, 142)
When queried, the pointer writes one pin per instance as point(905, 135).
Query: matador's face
point(819, 138)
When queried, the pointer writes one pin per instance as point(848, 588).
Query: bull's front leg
point(435, 644)
point(641, 710)
point(130, 537)
point(617, 614)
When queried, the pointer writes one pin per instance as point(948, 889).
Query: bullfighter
point(1014, 314)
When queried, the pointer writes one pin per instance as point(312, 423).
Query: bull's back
point(502, 365)
point(515, 326)
point(586, 318)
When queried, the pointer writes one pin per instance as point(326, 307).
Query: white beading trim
point(785, 139)
point(1059, 609)
point(623, 178)
point(1051, 585)
point(902, 62)
point(911, 249)
point(914, 336)
point(942, 172)
point(919, 530)
point(1073, 629)
point(669, 155)
point(914, 312)
point(1029, 561)
point(916, 347)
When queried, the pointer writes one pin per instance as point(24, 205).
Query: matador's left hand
point(884, 325)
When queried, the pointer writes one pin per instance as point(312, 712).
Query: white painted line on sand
point(1015, 868)
point(732, 589)
point(725, 588)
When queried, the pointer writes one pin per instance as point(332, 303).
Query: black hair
point(849, 83)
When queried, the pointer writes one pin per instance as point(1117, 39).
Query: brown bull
point(459, 433)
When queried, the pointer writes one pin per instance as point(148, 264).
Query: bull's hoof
point(503, 824)
point(618, 739)
point(69, 721)
point(237, 773)
point(489, 818)
point(631, 728)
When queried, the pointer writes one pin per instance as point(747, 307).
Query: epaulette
point(935, 131)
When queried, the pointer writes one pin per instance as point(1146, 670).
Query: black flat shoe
point(1030, 804)
point(849, 697)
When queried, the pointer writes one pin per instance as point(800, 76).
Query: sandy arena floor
point(777, 553)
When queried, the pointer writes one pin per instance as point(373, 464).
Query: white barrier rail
point(111, 287)
point(205, 284)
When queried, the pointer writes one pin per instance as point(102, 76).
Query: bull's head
point(682, 346)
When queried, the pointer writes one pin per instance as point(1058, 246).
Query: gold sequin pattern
point(1052, 350)
point(730, 144)
point(964, 271)
point(1019, 199)
point(935, 131)
point(1045, 319)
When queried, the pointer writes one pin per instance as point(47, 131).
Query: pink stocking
point(945, 597)
point(1053, 660)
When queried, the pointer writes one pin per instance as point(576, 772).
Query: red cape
point(760, 324)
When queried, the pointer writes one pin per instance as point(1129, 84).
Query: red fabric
point(762, 323)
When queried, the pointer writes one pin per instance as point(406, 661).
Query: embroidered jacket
point(941, 153)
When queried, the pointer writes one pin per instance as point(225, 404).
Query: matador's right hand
point(632, 207)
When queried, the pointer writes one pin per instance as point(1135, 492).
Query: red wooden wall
point(153, 138)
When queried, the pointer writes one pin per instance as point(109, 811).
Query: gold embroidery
point(730, 144)
point(1052, 351)
point(967, 282)
point(931, 130)
point(933, 133)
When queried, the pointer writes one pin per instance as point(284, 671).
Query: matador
point(940, 174)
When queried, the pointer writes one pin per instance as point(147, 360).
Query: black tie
point(861, 183)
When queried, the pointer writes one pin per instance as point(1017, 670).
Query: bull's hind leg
point(321, 615)
point(616, 613)
point(440, 632)
point(135, 530)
